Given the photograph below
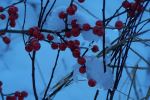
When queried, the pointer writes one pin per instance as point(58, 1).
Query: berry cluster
point(133, 8)
point(17, 96)
point(32, 45)
point(36, 33)
point(33, 42)
point(13, 15)
point(2, 16)
point(13, 96)
point(75, 31)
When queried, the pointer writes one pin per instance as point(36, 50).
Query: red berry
point(12, 23)
point(62, 15)
point(54, 46)
point(30, 31)
point(68, 34)
point(2, 16)
point(86, 27)
point(82, 69)
point(74, 23)
point(81, 60)
point(50, 37)
point(70, 10)
point(98, 31)
point(28, 48)
point(62, 46)
point(119, 25)
point(36, 46)
point(24, 94)
point(76, 53)
point(11, 17)
point(40, 36)
point(81, 1)
point(1, 9)
point(11, 98)
point(20, 98)
point(6, 40)
point(99, 23)
point(75, 32)
point(36, 32)
point(91, 82)
point(126, 4)
point(12, 10)
point(131, 13)
point(70, 44)
point(95, 48)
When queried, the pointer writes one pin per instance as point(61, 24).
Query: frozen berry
point(91, 82)
point(50, 37)
point(75, 32)
point(68, 34)
point(71, 10)
point(36, 46)
point(98, 31)
point(81, 60)
point(12, 23)
point(28, 48)
point(54, 46)
point(119, 25)
point(86, 27)
point(12, 10)
point(6, 40)
point(99, 23)
point(95, 48)
point(82, 69)
point(76, 53)
point(62, 15)
point(11, 98)
point(2, 16)
point(62, 46)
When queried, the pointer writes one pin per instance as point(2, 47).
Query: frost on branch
point(95, 71)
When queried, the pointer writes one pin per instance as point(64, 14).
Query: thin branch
point(52, 75)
